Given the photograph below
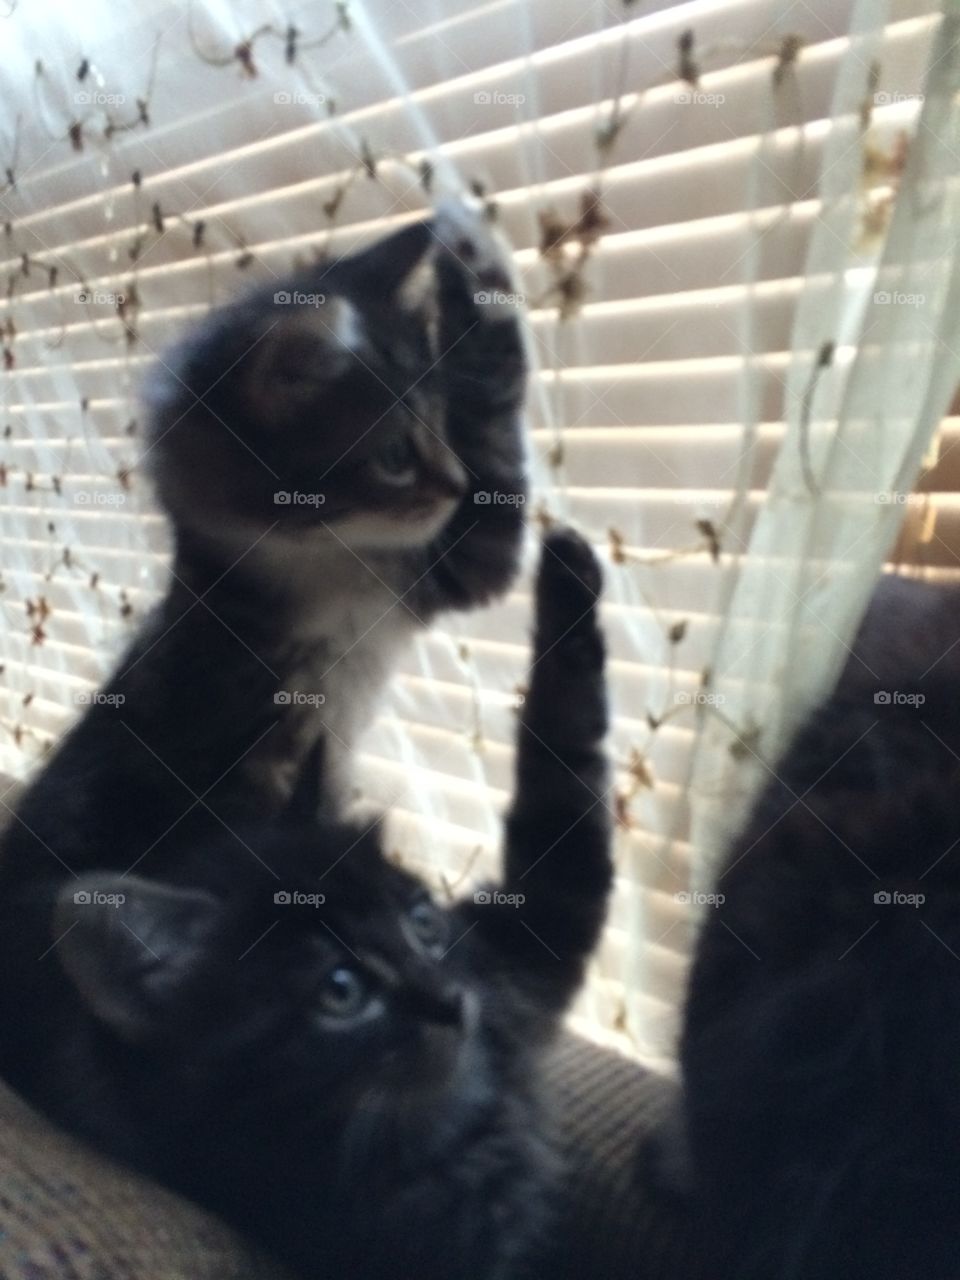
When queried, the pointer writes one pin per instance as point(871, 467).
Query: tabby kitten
point(382, 392)
point(821, 1048)
point(307, 1044)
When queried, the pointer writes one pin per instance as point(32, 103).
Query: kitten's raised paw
point(480, 254)
point(569, 582)
point(567, 554)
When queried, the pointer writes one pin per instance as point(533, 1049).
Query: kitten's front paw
point(569, 583)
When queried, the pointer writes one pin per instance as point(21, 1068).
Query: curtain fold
point(878, 328)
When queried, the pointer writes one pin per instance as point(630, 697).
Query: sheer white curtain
point(876, 342)
point(704, 199)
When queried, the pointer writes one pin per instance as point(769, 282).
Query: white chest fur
point(354, 656)
point(349, 630)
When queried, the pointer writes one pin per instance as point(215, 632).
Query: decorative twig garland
point(242, 54)
point(567, 245)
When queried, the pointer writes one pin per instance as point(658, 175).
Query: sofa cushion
point(67, 1213)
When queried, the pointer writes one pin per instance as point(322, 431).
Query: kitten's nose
point(441, 472)
point(442, 1005)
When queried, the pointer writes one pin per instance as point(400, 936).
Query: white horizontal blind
point(659, 394)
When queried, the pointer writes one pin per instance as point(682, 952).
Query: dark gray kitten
point(821, 1044)
point(381, 390)
point(286, 1028)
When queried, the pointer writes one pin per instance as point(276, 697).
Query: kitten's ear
point(387, 265)
point(128, 945)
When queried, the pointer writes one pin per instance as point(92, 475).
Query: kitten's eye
point(396, 461)
point(428, 927)
point(344, 993)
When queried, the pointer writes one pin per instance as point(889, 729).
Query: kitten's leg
point(557, 865)
point(482, 367)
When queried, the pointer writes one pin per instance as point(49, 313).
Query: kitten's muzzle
point(441, 1005)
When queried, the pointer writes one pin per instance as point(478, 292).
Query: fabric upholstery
point(68, 1214)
